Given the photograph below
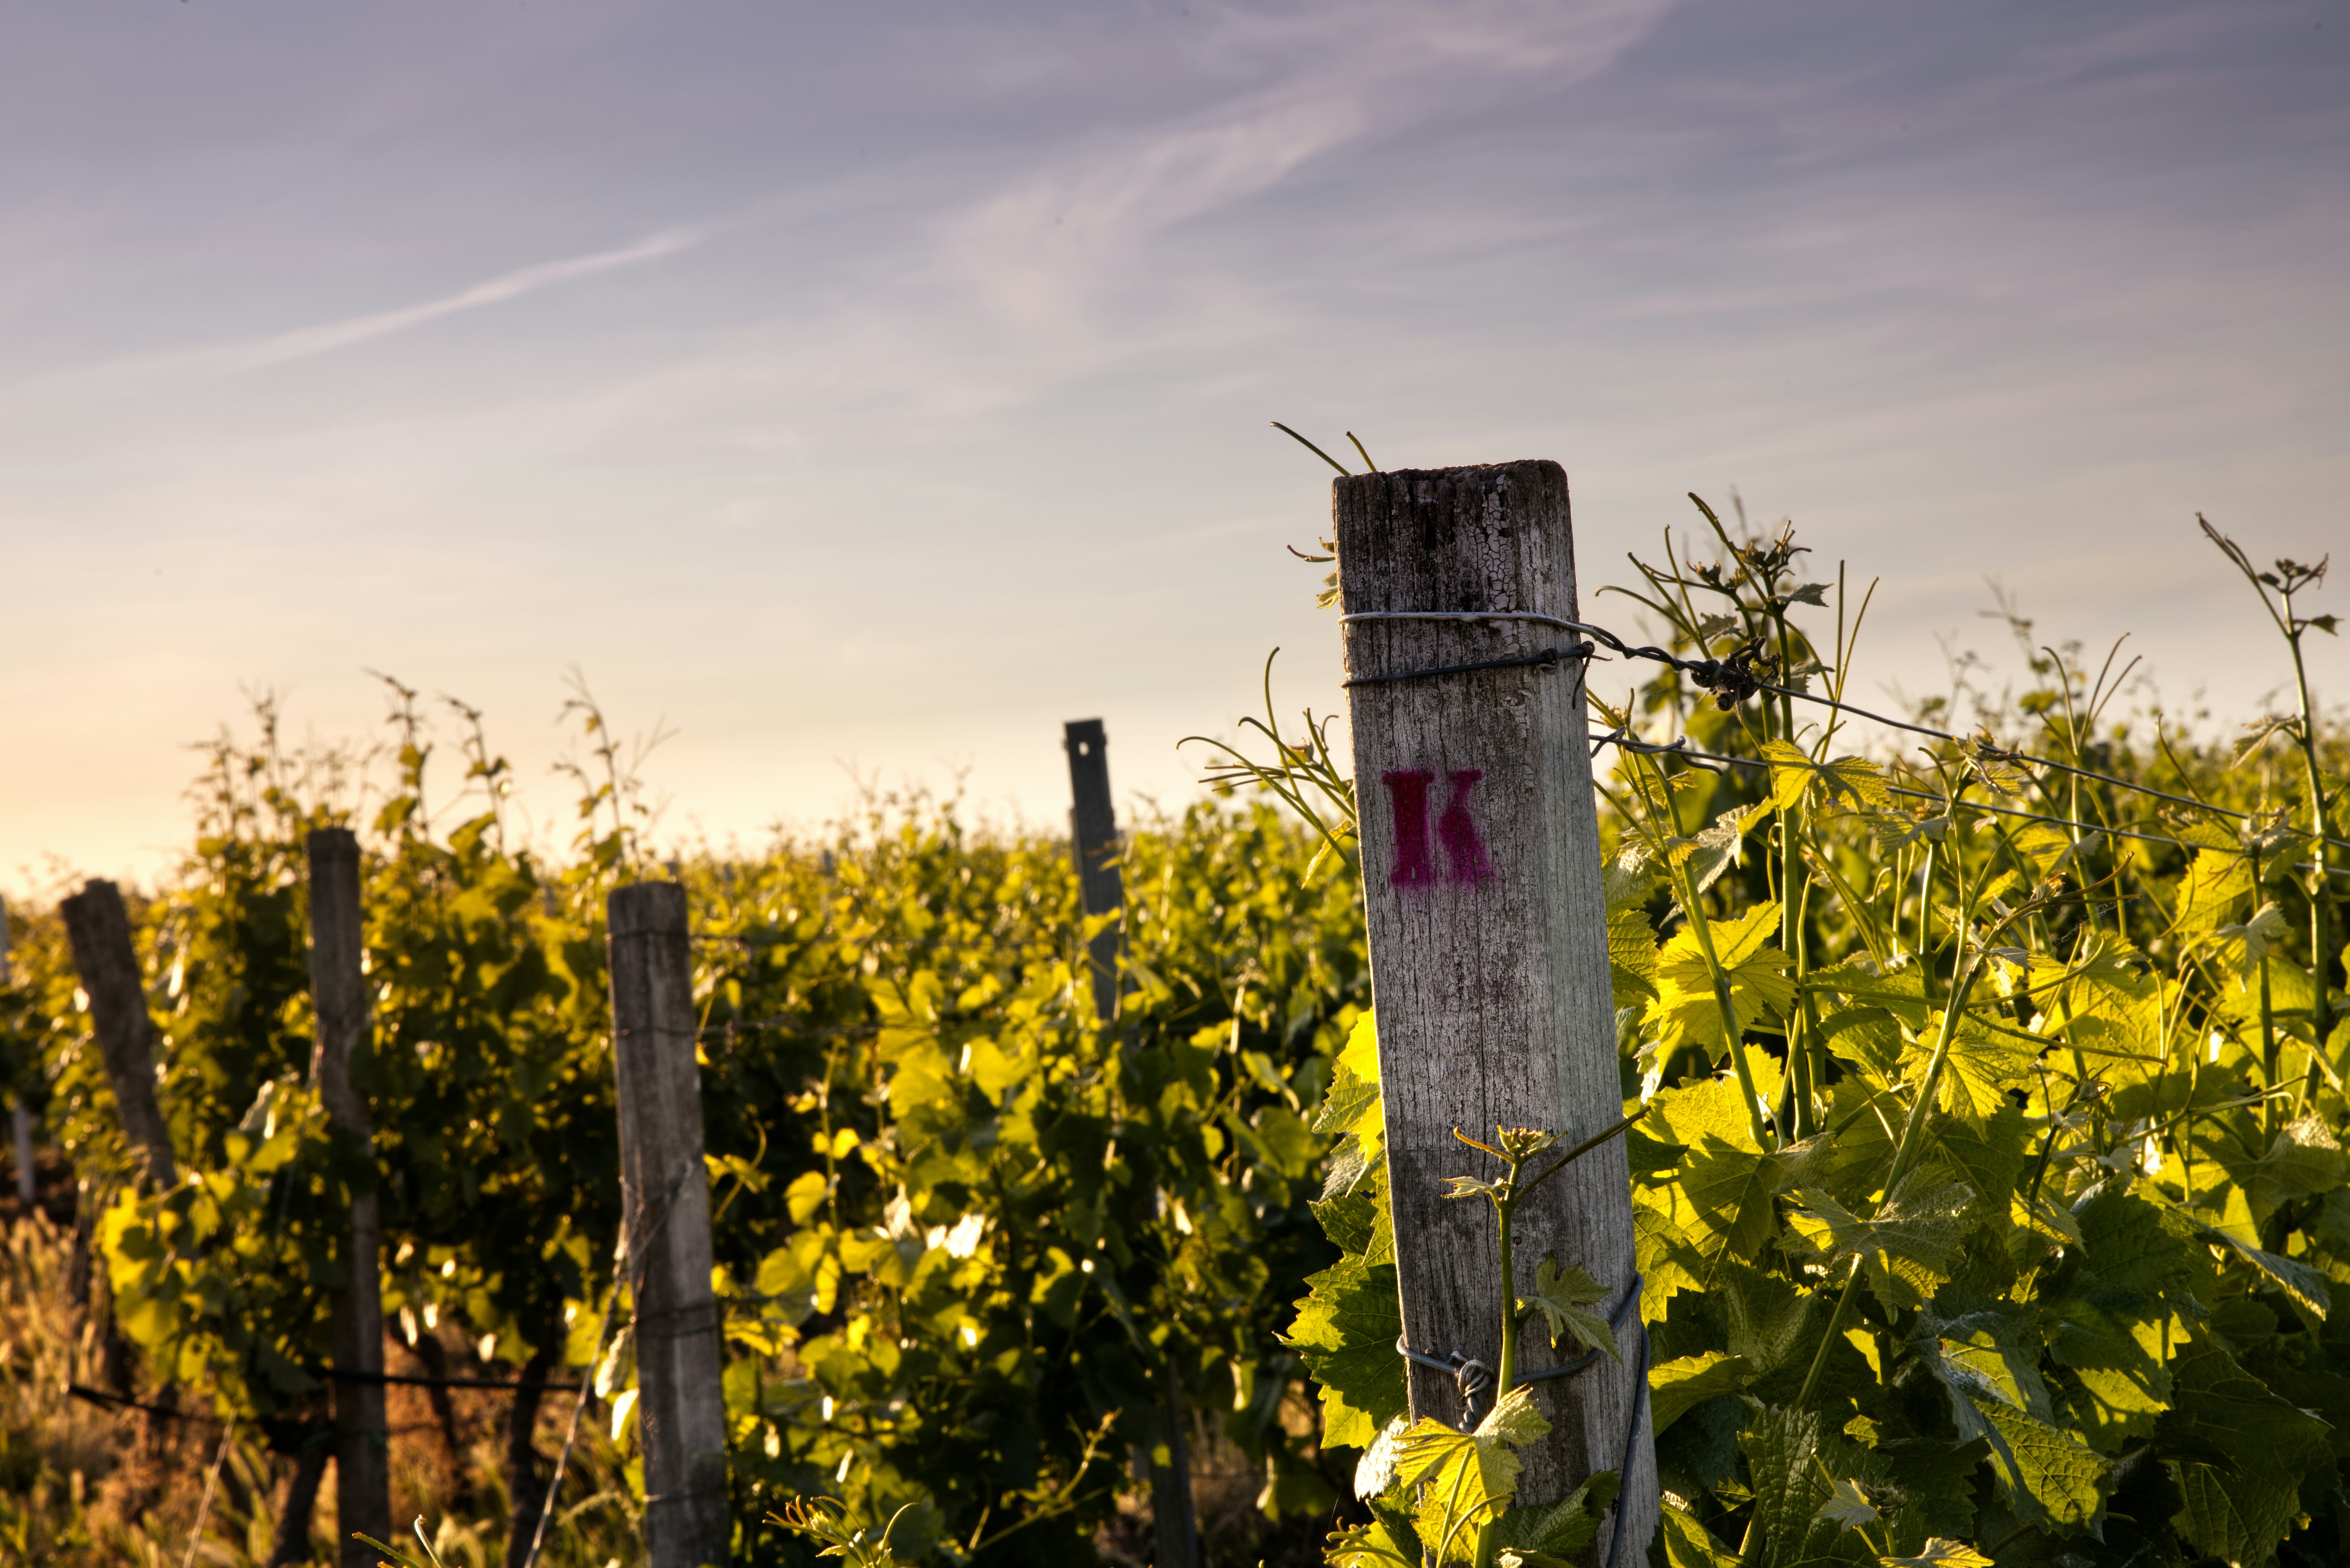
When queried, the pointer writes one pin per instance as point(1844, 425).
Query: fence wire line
point(1732, 679)
point(784, 1021)
point(1624, 742)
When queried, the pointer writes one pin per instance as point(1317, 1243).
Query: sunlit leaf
point(1561, 1296)
point(1467, 1477)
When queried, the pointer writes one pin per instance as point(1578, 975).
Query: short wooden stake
point(1093, 834)
point(338, 991)
point(99, 929)
point(1488, 934)
point(665, 1198)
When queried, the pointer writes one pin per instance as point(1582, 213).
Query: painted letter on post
point(1415, 857)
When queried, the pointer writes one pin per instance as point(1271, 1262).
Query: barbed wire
point(105, 1400)
point(1733, 679)
point(1680, 748)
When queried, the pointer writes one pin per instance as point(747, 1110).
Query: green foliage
point(1989, 1185)
point(968, 1234)
point(1564, 1297)
point(1990, 1193)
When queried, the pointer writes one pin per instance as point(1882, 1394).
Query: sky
point(855, 393)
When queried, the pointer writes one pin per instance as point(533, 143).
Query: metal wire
point(1475, 1379)
point(1548, 658)
point(787, 1020)
point(1471, 1376)
point(1631, 1439)
point(99, 1396)
point(1733, 679)
point(1615, 1324)
point(1680, 748)
point(340, 1375)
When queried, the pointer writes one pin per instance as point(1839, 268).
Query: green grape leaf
point(1561, 1296)
point(1911, 1244)
point(1902, 992)
point(1688, 1544)
point(1991, 1154)
point(1669, 1261)
point(1982, 1062)
point(1675, 1388)
point(1347, 1331)
point(1359, 1223)
point(805, 1195)
point(1716, 1106)
point(2136, 1264)
point(1869, 1036)
point(1688, 1011)
point(1346, 1103)
point(1992, 1351)
point(1769, 1323)
point(1372, 1545)
point(1361, 1055)
point(2303, 1284)
point(1539, 1537)
point(2215, 880)
point(1628, 884)
point(1467, 1477)
point(2231, 1515)
point(1715, 849)
point(1939, 1552)
point(2223, 1415)
point(1780, 1446)
point(1854, 781)
point(1848, 1506)
point(1728, 1192)
point(2303, 1161)
point(2045, 1473)
point(1986, 1363)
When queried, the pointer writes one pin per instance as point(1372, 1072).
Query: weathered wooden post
point(20, 1115)
point(1093, 833)
point(339, 993)
point(1488, 934)
point(665, 1200)
point(98, 928)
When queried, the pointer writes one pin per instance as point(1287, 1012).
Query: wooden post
point(338, 991)
point(1093, 833)
point(19, 1114)
point(99, 930)
point(665, 1198)
point(1488, 935)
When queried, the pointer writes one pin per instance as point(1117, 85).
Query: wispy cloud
point(235, 358)
point(149, 374)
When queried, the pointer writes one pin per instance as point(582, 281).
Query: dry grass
point(82, 1485)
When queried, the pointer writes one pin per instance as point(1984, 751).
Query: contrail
point(234, 358)
point(218, 361)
